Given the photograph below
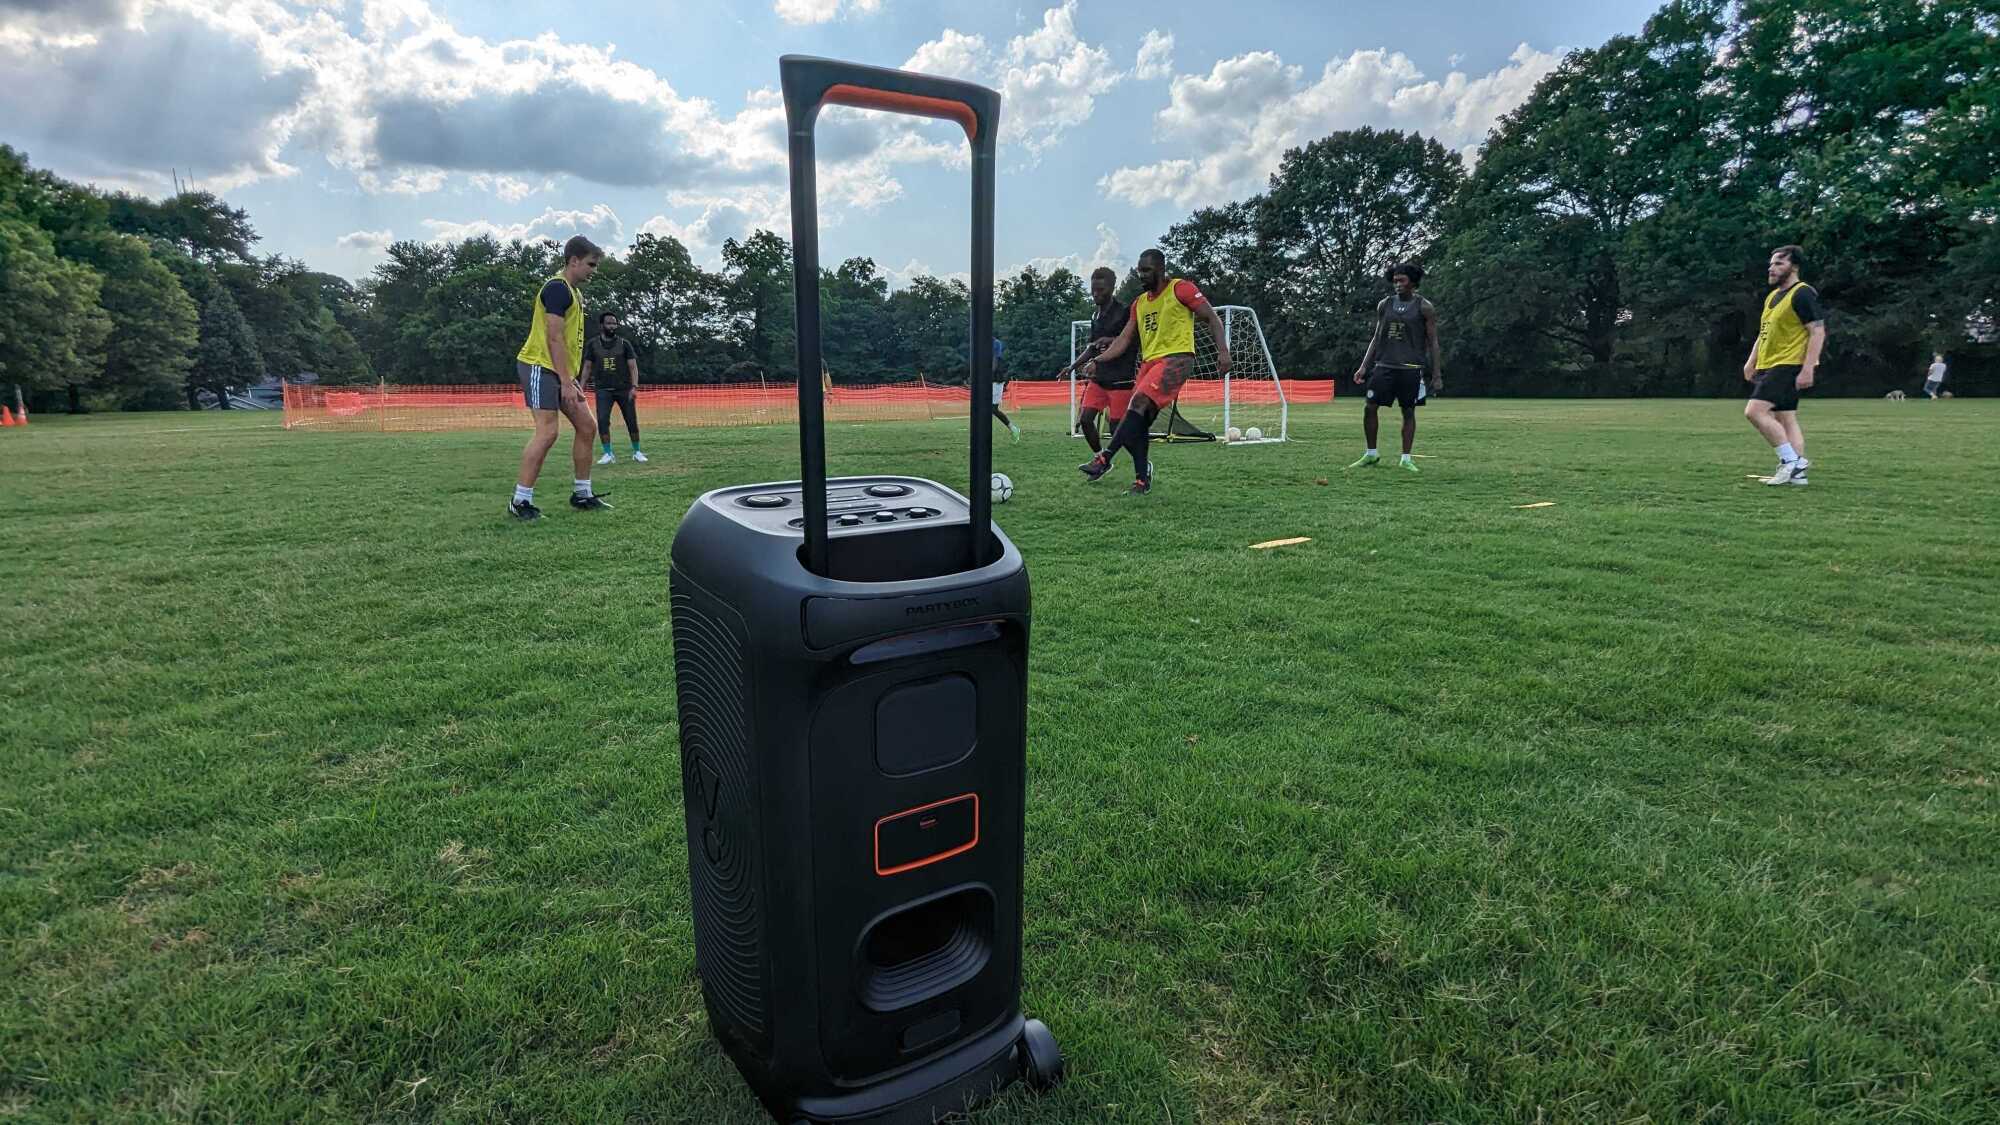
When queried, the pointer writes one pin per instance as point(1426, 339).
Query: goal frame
point(1079, 337)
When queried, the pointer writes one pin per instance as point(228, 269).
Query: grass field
point(330, 794)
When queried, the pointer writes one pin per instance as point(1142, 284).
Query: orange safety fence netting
point(391, 407)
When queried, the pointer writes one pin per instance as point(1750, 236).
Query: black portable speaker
point(851, 658)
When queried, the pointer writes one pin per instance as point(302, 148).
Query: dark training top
point(555, 297)
point(1114, 374)
point(605, 361)
point(1404, 341)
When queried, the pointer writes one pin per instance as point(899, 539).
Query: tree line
point(1608, 238)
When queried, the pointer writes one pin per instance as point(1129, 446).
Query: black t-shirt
point(555, 297)
point(1805, 305)
point(605, 361)
point(1114, 374)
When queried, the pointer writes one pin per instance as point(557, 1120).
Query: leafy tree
point(52, 338)
point(1032, 313)
point(201, 225)
point(154, 324)
point(758, 270)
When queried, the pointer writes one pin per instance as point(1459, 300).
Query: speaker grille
point(721, 811)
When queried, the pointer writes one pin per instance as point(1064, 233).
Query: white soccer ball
point(1003, 488)
point(1234, 433)
point(1253, 434)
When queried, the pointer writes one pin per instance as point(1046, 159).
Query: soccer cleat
point(1367, 460)
point(1788, 472)
point(1095, 468)
point(1016, 427)
point(1139, 488)
point(1406, 463)
point(584, 503)
point(639, 457)
point(524, 510)
point(607, 459)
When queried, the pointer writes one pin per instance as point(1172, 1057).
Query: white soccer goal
point(1250, 397)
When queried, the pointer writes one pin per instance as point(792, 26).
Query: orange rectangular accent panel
point(925, 835)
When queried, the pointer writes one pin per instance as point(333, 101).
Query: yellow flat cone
point(1279, 543)
point(1541, 504)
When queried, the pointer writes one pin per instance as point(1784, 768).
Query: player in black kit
point(1405, 347)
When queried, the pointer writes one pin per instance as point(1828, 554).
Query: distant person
point(1161, 325)
point(1401, 355)
point(548, 364)
point(1109, 391)
point(613, 364)
point(1934, 378)
point(1785, 362)
point(1000, 391)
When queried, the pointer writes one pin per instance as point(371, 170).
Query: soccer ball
point(1003, 488)
point(1254, 434)
point(1234, 434)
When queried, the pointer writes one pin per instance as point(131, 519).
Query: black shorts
point(1403, 385)
point(539, 386)
point(1778, 386)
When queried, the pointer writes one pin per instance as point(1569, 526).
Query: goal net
point(1250, 397)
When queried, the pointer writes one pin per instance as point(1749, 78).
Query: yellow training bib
point(536, 350)
point(1166, 324)
point(1781, 335)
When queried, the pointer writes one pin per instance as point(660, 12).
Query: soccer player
point(614, 366)
point(1934, 378)
point(1109, 391)
point(1404, 347)
point(1784, 361)
point(1161, 322)
point(1000, 392)
point(548, 364)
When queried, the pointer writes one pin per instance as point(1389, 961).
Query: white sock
point(1786, 453)
point(1372, 453)
point(524, 494)
point(1406, 457)
point(583, 487)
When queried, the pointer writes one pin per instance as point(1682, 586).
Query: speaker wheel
point(1041, 1059)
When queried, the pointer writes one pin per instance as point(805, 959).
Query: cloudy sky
point(344, 124)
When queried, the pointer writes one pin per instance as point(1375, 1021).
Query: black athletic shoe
point(1095, 468)
point(584, 503)
point(1139, 488)
point(524, 510)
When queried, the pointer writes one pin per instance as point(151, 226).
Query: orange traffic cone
point(6, 416)
point(23, 419)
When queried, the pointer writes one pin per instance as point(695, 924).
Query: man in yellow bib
point(549, 365)
point(1162, 319)
point(1785, 360)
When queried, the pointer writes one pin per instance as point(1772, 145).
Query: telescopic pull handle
point(809, 84)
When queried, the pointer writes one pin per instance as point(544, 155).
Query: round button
point(765, 500)
point(888, 490)
point(885, 517)
point(922, 513)
point(849, 521)
point(795, 521)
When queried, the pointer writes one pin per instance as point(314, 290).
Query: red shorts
point(1160, 379)
point(1109, 401)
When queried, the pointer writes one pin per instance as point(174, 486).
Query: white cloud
point(1242, 115)
point(367, 241)
point(822, 11)
point(1049, 79)
point(600, 224)
point(1156, 56)
point(511, 189)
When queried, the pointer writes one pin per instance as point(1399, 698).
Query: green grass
point(329, 794)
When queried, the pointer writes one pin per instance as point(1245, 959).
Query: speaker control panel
point(856, 505)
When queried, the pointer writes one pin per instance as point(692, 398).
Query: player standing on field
point(548, 365)
point(1405, 345)
point(1109, 391)
point(1784, 362)
point(1934, 378)
point(613, 364)
point(1162, 321)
